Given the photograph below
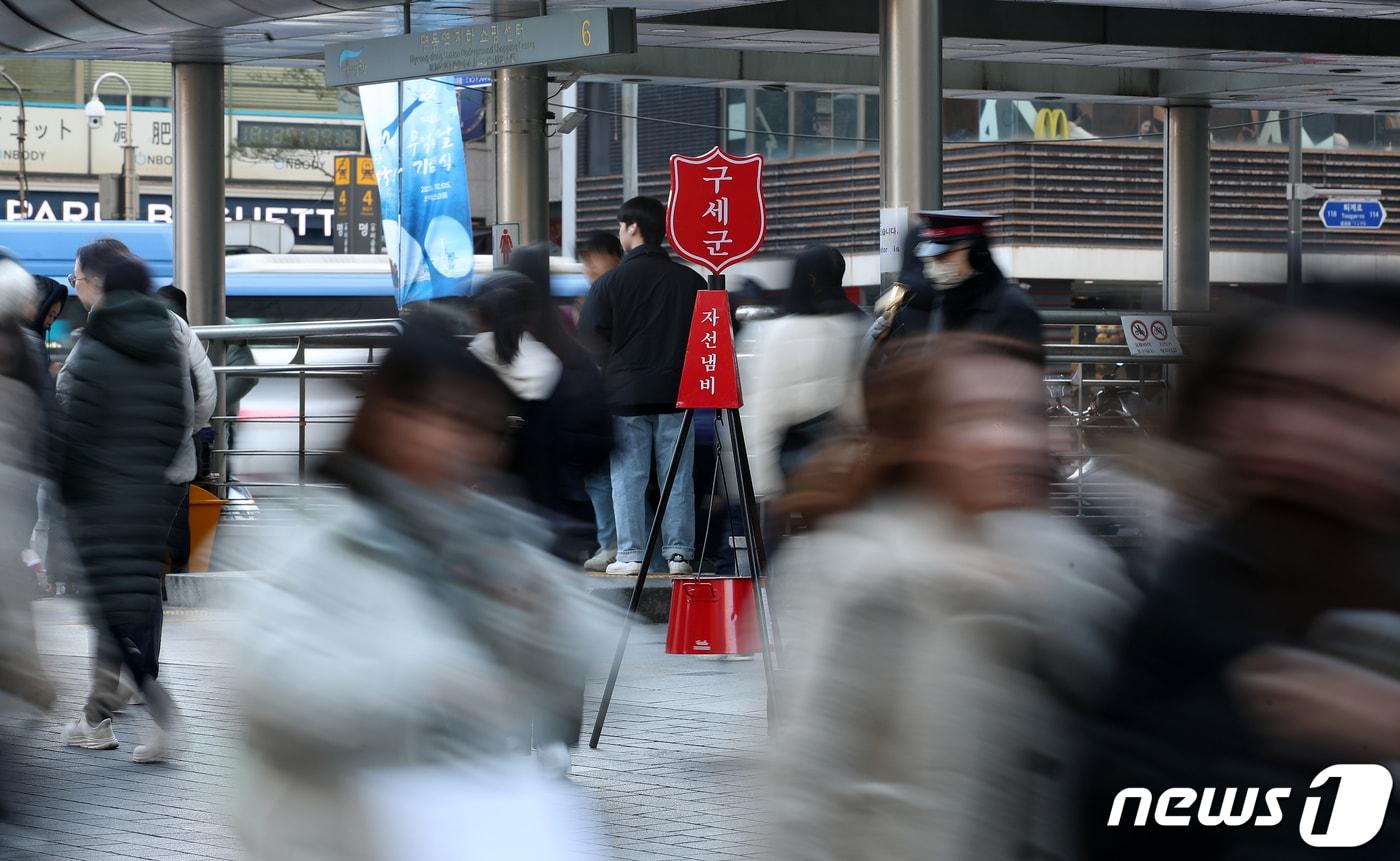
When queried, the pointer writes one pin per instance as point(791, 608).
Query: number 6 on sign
point(586, 33)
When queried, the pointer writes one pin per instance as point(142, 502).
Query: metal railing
point(1086, 407)
point(367, 335)
point(1103, 399)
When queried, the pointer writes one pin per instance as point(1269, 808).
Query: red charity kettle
point(712, 616)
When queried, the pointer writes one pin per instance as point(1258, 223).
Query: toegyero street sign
point(1341, 214)
point(482, 47)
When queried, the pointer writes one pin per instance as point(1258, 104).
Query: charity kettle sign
point(716, 216)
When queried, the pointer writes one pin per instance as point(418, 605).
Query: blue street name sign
point(1352, 214)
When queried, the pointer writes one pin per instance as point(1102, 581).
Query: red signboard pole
point(716, 218)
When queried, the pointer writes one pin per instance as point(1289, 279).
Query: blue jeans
point(638, 443)
point(598, 484)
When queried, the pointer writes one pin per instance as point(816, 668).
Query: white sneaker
point(633, 568)
point(154, 749)
point(600, 561)
point(554, 758)
point(679, 565)
point(80, 733)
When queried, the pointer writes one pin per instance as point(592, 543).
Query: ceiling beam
point(721, 67)
point(1076, 23)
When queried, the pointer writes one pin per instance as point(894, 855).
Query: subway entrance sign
point(1342, 214)
point(482, 47)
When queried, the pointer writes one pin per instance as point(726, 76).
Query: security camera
point(95, 111)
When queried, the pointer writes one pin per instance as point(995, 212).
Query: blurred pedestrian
point(804, 370)
point(934, 668)
point(126, 401)
point(22, 455)
point(639, 317)
point(951, 284)
point(41, 309)
point(52, 298)
point(1248, 665)
point(564, 431)
point(600, 253)
point(415, 631)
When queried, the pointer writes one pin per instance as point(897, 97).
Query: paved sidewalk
point(676, 775)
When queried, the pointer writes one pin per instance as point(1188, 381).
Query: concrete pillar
point(1186, 227)
point(911, 104)
point(522, 156)
point(198, 211)
point(568, 177)
point(198, 205)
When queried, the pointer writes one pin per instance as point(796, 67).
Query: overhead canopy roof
point(1328, 55)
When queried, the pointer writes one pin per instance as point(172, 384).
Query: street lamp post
point(130, 194)
point(23, 175)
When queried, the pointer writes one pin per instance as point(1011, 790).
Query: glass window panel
point(770, 122)
point(737, 120)
point(845, 123)
point(812, 117)
point(872, 123)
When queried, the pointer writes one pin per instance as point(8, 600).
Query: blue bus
point(260, 288)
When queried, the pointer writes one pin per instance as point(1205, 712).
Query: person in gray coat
point(126, 415)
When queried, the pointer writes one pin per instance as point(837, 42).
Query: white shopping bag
point(485, 812)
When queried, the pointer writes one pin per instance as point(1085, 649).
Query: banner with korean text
point(416, 145)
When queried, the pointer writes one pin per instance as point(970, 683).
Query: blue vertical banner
point(416, 145)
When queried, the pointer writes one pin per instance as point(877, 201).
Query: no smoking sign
point(1151, 335)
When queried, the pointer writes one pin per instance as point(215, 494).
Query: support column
point(198, 204)
point(568, 179)
point(628, 123)
point(522, 157)
point(911, 104)
point(1295, 208)
point(198, 208)
point(1186, 227)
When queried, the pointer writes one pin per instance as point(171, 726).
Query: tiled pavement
point(676, 775)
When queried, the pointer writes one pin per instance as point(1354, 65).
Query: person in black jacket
point(639, 314)
point(952, 284)
point(125, 417)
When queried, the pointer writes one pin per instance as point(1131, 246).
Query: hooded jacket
point(125, 418)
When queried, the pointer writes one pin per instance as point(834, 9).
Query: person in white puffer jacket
point(801, 383)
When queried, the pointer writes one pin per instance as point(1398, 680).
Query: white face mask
point(945, 274)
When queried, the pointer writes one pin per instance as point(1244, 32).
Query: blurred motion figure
point(418, 625)
point(22, 453)
point(1267, 648)
point(945, 631)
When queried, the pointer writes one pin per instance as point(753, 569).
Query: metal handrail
point(284, 331)
point(1114, 317)
point(371, 335)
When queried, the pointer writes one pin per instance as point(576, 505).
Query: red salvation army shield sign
point(715, 216)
